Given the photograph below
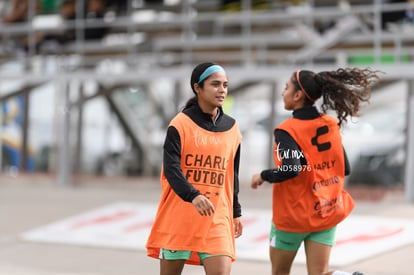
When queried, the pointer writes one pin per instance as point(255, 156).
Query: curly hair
point(342, 90)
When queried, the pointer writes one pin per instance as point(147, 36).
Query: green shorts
point(291, 241)
point(181, 255)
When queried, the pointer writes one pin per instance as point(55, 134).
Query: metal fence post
point(64, 156)
point(409, 157)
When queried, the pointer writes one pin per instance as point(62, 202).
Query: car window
point(387, 119)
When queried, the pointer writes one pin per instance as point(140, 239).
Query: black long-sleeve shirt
point(288, 143)
point(172, 155)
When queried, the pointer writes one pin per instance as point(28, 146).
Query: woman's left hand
point(238, 227)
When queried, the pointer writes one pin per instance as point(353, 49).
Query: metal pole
point(64, 163)
point(77, 164)
point(1, 130)
point(246, 26)
point(25, 128)
point(30, 32)
point(188, 33)
point(80, 27)
point(272, 122)
point(377, 31)
point(409, 158)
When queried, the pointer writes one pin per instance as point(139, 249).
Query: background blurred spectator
point(401, 20)
point(392, 16)
point(50, 6)
point(409, 14)
point(95, 10)
point(54, 40)
point(18, 10)
point(119, 6)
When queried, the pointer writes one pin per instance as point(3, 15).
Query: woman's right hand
point(203, 205)
point(256, 181)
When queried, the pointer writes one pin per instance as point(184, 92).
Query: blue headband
point(209, 71)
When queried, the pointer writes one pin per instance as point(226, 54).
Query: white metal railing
point(175, 34)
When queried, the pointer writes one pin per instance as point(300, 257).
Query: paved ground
point(30, 201)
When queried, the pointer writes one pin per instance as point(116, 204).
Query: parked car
point(375, 146)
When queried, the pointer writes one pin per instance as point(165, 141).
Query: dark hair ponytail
point(192, 101)
point(195, 76)
point(343, 90)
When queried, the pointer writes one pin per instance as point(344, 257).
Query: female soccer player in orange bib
point(309, 199)
point(198, 216)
